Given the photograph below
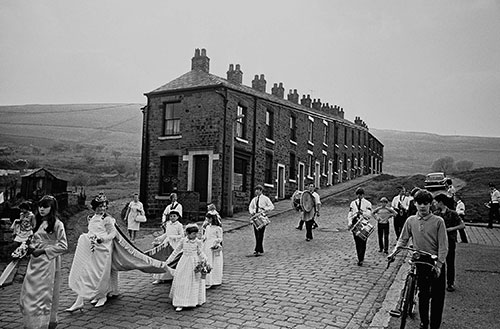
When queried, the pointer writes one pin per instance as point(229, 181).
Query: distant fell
point(118, 126)
point(409, 153)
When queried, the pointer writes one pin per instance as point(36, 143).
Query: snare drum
point(362, 229)
point(259, 220)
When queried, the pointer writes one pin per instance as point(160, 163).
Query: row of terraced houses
point(216, 139)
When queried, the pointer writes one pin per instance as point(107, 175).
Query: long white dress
point(213, 236)
point(91, 274)
point(188, 288)
point(40, 291)
point(174, 232)
point(134, 209)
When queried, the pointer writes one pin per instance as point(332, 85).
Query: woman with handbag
point(135, 216)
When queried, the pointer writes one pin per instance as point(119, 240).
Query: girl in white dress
point(174, 232)
point(188, 287)
point(135, 208)
point(213, 248)
point(91, 276)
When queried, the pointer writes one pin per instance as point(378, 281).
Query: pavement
point(295, 284)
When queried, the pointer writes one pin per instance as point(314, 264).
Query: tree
point(464, 165)
point(445, 164)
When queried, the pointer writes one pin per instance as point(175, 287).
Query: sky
point(425, 66)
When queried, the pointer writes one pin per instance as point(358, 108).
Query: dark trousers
point(431, 290)
point(309, 228)
point(450, 261)
point(399, 222)
point(301, 223)
point(259, 239)
point(494, 214)
point(360, 247)
point(383, 236)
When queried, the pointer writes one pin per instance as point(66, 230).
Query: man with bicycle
point(428, 233)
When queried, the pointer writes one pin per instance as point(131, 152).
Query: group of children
point(205, 247)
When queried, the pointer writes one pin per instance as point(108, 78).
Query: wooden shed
point(41, 182)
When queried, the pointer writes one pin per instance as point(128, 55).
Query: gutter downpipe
point(224, 143)
point(145, 156)
point(254, 147)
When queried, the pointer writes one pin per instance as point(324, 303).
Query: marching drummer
point(359, 209)
point(259, 204)
point(309, 217)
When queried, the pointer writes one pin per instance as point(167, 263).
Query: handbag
point(141, 219)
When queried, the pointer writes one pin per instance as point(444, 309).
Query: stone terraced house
point(213, 139)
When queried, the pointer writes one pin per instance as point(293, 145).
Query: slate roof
point(199, 79)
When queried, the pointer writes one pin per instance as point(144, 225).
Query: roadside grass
point(474, 194)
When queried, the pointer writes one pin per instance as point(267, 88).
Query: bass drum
point(296, 200)
point(307, 202)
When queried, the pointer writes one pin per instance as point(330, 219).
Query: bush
point(464, 165)
point(445, 164)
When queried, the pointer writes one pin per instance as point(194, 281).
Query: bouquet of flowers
point(94, 240)
point(203, 267)
point(21, 251)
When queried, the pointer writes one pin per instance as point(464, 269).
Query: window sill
point(310, 143)
point(268, 185)
point(164, 138)
point(292, 180)
point(293, 142)
point(270, 141)
point(241, 140)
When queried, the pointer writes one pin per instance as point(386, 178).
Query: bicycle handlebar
point(391, 258)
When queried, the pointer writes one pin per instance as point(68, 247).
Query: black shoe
point(360, 263)
point(307, 239)
point(298, 228)
point(380, 250)
point(386, 252)
point(315, 226)
point(423, 326)
point(450, 288)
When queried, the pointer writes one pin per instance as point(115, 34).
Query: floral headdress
point(99, 199)
point(192, 228)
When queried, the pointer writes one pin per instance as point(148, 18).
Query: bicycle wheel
point(409, 291)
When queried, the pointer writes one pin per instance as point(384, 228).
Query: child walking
point(23, 226)
point(382, 214)
point(213, 247)
point(188, 287)
point(174, 232)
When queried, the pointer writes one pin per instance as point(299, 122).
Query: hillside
point(118, 127)
point(409, 153)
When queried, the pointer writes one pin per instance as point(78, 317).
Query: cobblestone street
point(296, 284)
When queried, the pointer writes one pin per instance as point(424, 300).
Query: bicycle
point(408, 299)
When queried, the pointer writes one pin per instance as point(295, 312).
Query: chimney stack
point(316, 104)
point(200, 61)
point(235, 75)
point(294, 98)
point(306, 101)
point(259, 83)
point(278, 91)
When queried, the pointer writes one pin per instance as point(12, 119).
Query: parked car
point(435, 181)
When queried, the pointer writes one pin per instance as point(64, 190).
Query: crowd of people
point(191, 257)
